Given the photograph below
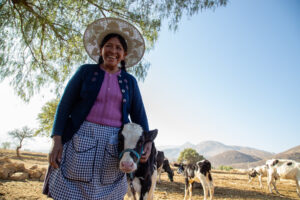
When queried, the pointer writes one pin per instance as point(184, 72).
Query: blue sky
point(229, 75)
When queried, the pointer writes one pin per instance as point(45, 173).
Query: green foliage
point(5, 145)
point(189, 155)
point(46, 118)
point(41, 41)
point(225, 168)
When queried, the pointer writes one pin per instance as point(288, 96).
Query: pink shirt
point(108, 105)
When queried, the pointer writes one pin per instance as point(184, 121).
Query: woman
point(96, 102)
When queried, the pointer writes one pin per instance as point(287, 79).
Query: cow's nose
point(127, 164)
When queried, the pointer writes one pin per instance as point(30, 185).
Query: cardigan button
point(96, 73)
point(124, 100)
point(120, 81)
point(94, 79)
point(123, 91)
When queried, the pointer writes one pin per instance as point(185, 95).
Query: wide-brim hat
point(97, 30)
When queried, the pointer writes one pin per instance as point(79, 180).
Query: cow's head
point(131, 145)
point(252, 173)
point(180, 167)
point(167, 168)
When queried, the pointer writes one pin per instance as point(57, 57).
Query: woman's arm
point(68, 99)
point(137, 110)
point(63, 111)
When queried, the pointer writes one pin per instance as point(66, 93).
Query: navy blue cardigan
point(81, 93)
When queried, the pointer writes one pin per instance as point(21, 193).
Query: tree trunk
point(18, 148)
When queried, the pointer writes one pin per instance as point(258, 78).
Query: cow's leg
point(210, 185)
point(269, 181)
point(260, 183)
point(274, 185)
point(159, 171)
point(186, 190)
point(298, 186)
point(250, 179)
point(272, 180)
point(153, 185)
point(191, 190)
point(159, 174)
point(204, 183)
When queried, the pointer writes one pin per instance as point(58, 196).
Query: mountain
point(230, 157)
point(212, 148)
point(292, 154)
point(172, 153)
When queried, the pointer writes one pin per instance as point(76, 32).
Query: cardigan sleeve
point(137, 111)
point(68, 99)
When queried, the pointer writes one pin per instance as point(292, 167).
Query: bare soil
point(228, 185)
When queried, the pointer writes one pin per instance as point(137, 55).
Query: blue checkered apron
point(89, 167)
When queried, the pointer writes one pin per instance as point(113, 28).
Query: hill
point(231, 157)
point(212, 148)
point(293, 154)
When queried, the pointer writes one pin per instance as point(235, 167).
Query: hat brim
point(97, 30)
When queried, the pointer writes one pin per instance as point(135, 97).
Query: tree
point(189, 155)
point(21, 135)
point(5, 145)
point(41, 41)
point(46, 118)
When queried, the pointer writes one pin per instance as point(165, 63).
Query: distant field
point(228, 186)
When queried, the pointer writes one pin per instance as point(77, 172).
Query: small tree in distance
point(189, 155)
point(20, 135)
point(5, 145)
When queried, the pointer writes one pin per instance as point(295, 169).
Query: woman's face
point(113, 53)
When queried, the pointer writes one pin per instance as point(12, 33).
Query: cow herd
point(275, 169)
point(142, 177)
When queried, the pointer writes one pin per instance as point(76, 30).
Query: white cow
point(260, 171)
point(286, 169)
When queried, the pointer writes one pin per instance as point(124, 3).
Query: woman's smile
point(113, 53)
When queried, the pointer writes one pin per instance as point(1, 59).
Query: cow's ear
point(150, 135)
point(275, 162)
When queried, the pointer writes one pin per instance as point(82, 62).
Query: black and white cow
point(282, 168)
point(141, 177)
point(163, 165)
point(259, 171)
point(199, 172)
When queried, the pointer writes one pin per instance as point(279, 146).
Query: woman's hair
point(122, 41)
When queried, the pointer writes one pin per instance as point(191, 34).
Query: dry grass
point(228, 186)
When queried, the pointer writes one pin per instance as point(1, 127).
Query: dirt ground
point(228, 186)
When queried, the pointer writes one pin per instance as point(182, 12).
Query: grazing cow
point(260, 171)
point(286, 169)
point(200, 172)
point(141, 177)
point(163, 165)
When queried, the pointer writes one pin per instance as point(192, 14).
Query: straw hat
point(97, 30)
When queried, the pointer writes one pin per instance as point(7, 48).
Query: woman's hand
point(55, 152)
point(147, 152)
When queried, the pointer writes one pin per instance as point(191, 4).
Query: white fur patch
point(132, 133)
point(137, 187)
